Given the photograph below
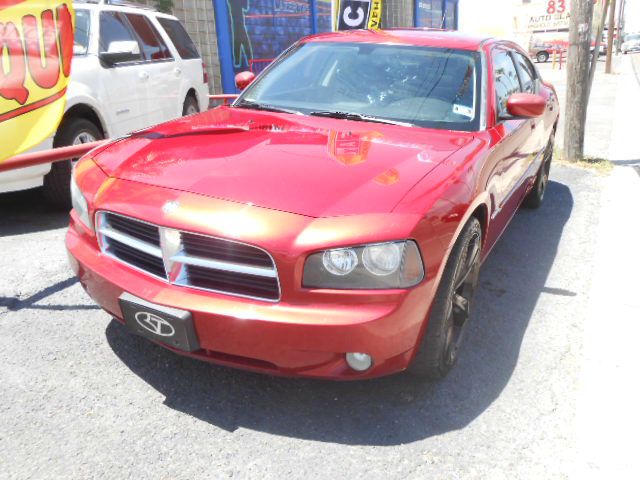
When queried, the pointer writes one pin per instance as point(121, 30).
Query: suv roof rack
point(119, 3)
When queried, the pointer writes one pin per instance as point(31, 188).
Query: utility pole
point(601, 14)
point(620, 27)
point(577, 79)
point(612, 29)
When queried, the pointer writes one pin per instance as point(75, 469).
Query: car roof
point(405, 36)
point(121, 6)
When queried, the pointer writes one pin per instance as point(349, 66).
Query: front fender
point(446, 199)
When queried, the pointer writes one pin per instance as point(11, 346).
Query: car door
point(510, 155)
point(539, 129)
point(159, 73)
point(119, 84)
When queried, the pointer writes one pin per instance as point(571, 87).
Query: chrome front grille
point(189, 259)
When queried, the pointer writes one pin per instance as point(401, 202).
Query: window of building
point(436, 14)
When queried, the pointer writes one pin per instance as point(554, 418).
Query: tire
point(450, 311)
point(535, 197)
point(73, 131)
point(542, 57)
point(190, 106)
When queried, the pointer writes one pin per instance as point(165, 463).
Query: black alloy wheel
point(451, 310)
point(535, 197)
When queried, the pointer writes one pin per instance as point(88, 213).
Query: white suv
point(132, 67)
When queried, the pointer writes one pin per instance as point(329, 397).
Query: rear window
point(180, 38)
point(153, 47)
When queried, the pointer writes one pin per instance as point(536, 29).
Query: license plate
point(170, 326)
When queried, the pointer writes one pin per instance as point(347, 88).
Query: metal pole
point(596, 47)
point(314, 16)
point(620, 26)
point(612, 27)
point(48, 156)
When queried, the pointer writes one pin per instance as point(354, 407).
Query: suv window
point(153, 47)
point(180, 38)
point(506, 79)
point(527, 73)
point(81, 32)
point(114, 28)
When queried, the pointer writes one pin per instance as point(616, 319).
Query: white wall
point(632, 16)
point(487, 17)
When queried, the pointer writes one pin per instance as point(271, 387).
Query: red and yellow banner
point(36, 48)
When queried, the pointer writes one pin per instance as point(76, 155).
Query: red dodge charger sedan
point(332, 221)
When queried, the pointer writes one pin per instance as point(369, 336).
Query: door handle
point(177, 71)
point(144, 76)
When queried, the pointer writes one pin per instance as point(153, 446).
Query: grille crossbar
point(189, 259)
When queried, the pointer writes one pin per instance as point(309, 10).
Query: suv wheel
point(73, 131)
point(190, 106)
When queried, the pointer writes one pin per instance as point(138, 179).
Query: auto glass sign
point(357, 14)
point(36, 48)
point(556, 21)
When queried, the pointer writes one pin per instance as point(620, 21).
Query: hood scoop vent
point(194, 131)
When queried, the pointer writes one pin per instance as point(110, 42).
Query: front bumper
point(290, 337)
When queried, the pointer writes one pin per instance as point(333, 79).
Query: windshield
point(423, 86)
point(634, 38)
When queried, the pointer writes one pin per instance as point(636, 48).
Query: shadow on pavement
point(386, 411)
point(27, 212)
point(15, 304)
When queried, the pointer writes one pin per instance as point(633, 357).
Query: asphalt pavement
point(82, 398)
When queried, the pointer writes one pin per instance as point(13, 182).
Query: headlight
point(375, 266)
point(341, 261)
point(79, 203)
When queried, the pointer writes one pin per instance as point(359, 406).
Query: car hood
point(305, 165)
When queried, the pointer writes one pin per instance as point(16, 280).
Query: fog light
point(359, 361)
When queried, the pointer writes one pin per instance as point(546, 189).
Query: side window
point(153, 47)
point(506, 79)
point(527, 73)
point(114, 28)
point(81, 32)
point(180, 38)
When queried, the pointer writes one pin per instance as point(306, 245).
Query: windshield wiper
point(358, 117)
point(265, 107)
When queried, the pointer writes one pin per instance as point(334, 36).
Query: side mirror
point(120, 52)
point(525, 105)
point(244, 79)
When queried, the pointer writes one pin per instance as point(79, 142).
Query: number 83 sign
point(556, 6)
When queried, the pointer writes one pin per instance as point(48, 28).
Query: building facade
point(237, 35)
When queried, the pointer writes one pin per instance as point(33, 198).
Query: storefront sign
point(556, 21)
point(359, 14)
point(36, 48)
